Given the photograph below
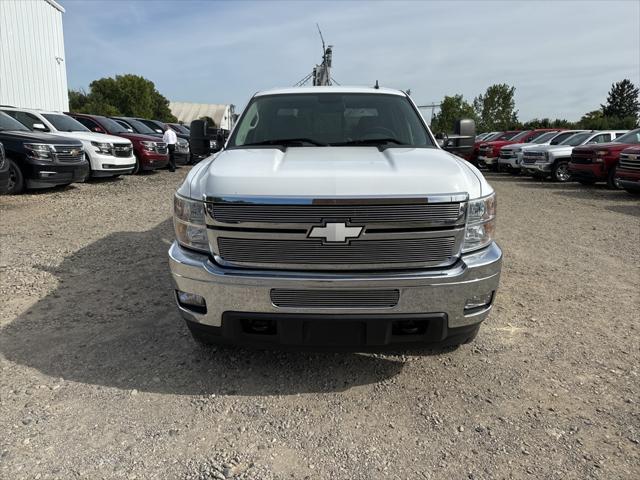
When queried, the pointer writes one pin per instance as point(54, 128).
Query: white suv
point(108, 156)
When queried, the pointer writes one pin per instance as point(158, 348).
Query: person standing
point(170, 138)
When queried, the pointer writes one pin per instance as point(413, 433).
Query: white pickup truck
point(331, 218)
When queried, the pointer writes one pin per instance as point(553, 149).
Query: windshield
point(8, 123)
point(65, 123)
point(544, 137)
point(632, 137)
point(577, 139)
point(179, 128)
point(506, 136)
point(139, 127)
point(330, 119)
point(112, 126)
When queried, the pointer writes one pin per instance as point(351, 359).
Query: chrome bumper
point(537, 167)
point(429, 291)
point(488, 160)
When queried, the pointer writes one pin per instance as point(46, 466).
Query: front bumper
point(487, 160)
point(512, 162)
point(628, 178)
point(108, 165)
point(39, 174)
point(587, 171)
point(152, 160)
point(427, 294)
point(536, 167)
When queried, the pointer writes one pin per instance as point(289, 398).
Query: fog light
point(191, 301)
point(478, 301)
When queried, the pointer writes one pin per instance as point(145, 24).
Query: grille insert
point(630, 161)
point(359, 252)
point(439, 213)
point(335, 298)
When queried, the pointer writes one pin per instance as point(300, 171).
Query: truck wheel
point(561, 171)
point(136, 169)
point(612, 182)
point(16, 178)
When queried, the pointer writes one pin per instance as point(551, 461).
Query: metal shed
point(33, 72)
point(222, 115)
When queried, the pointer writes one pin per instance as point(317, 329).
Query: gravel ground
point(99, 377)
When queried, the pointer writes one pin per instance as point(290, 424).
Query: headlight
point(189, 225)
point(39, 151)
point(481, 223)
point(602, 153)
point(104, 148)
point(150, 146)
point(518, 150)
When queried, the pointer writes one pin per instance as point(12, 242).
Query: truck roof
point(331, 89)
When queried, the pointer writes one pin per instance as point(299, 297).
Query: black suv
point(4, 172)
point(40, 160)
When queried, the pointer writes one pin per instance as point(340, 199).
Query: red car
point(473, 156)
point(488, 152)
point(150, 152)
point(599, 162)
point(628, 171)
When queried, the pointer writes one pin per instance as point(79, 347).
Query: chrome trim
point(345, 200)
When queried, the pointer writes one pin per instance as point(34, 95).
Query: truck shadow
point(111, 321)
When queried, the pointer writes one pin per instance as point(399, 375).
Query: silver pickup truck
point(332, 218)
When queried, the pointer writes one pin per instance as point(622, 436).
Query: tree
point(451, 109)
point(623, 100)
point(597, 120)
point(128, 95)
point(496, 108)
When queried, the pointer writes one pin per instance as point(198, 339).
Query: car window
point(601, 138)
point(576, 139)
point(9, 123)
point(631, 137)
point(27, 119)
point(331, 119)
point(87, 122)
point(140, 127)
point(619, 134)
point(152, 125)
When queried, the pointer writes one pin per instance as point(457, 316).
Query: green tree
point(623, 100)
point(496, 108)
point(128, 95)
point(452, 109)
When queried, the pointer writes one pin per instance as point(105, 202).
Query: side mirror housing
point(40, 127)
point(461, 142)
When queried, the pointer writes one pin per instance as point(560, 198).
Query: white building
point(185, 112)
point(33, 71)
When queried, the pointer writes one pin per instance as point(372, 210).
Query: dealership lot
point(99, 377)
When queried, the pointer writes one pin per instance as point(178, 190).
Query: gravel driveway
point(99, 377)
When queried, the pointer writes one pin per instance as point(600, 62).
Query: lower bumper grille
point(335, 298)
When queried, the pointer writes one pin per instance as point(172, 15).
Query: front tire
point(136, 169)
point(16, 178)
point(612, 183)
point(561, 172)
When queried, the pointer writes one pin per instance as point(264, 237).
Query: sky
point(562, 56)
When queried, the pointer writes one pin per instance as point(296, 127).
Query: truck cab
point(332, 218)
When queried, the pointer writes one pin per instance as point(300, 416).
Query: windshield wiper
point(285, 142)
point(381, 143)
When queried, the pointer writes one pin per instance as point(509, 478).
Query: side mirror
point(219, 141)
point(159, 130)
point(40, 127)
point(461, 143)
point(98, 129)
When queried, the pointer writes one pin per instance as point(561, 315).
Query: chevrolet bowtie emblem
point(335, 232)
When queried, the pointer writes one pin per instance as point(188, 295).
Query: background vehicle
point(107, 155)
point(179, 128)
point(321, 188)
point(182, 151)
point(4, 172)
point(511, 155)
point(473, 157)
point(541, 161)
point(40, 160)
point(598, 163)
point(628, 171)
point(488, 152)
point(150, 154)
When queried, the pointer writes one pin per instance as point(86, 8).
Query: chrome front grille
point(338, 256)
point(583, 157)
point(334, 298)
point(122, 149)
point(444, 213)
point(630, 161)
point(532, 157)
point(69, 153)
point(283, 233)
point(507, 154)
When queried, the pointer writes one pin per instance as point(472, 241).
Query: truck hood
point(334, 172)
point(613, 146)
point(29, 136)
point(91, 137)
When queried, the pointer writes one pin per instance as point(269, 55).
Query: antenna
point(376, 86)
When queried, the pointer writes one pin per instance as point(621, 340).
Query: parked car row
point(40, 149)
point(610, 156)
